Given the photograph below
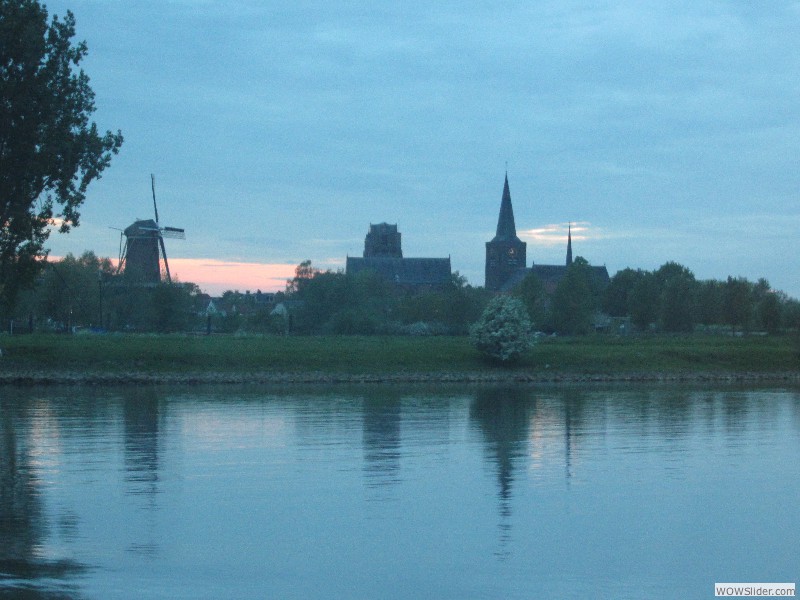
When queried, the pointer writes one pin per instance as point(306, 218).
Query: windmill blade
point(173, 232)
point(153, 186)
point(164, 254)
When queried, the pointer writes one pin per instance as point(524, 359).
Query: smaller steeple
point(569, 245)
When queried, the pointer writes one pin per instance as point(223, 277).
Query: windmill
point(144, 241)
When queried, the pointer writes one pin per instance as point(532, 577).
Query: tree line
point(85, 291)
point(669, 299)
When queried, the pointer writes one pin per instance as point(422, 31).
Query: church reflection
point(503, 416)
point(525, 430)
point(23, 526)
point(574, 411)
point(381, 439)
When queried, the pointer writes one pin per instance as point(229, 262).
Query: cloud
point(555, 234)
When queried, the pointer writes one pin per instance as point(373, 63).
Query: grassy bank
point(178, 355)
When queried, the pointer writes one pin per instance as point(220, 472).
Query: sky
point(278, 131)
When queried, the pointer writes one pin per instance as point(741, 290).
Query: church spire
point(506, 229)
point(505, 254)
point(569, 245)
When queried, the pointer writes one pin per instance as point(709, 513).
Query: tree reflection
point(24, 573)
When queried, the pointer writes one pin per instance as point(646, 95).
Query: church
point(506, 256)
point(383, 253)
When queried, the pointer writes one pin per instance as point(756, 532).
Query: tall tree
point(574, 300)
point(617, 296)
point(711, 302)
point(533, 295)
point(70, 290)
point(769, 312)
point(738, 302)
point(678, 297)
point(643, 300)
point(49, 150)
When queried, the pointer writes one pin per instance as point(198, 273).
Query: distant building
point(383, 254)
point(506, 256)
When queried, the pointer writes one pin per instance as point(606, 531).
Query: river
point(389, 492)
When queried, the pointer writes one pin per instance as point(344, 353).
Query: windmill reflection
point(142, 411)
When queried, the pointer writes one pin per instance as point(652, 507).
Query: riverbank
point(40, 378)
point(180, 359)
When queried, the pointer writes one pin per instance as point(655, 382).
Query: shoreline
point(42, 378)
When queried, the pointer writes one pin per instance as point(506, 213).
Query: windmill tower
point(143, 248)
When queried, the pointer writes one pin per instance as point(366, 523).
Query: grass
point(125, 353)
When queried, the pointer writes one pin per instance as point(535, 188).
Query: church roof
point(551, 275)
point(404, 271)
point(506, 229)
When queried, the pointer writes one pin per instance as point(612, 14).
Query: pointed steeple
point(505, 254)
point(506, 229)
point(569, 245)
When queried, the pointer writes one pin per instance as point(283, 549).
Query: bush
point(350, 322)
point(503, 331)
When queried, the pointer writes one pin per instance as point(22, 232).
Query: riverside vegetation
point(659, 324)
point(86, 292)
point(176, 357)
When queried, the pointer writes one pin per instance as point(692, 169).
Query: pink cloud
point(216, 276)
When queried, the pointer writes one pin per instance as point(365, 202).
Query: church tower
point(505, 254)
point(383, 240)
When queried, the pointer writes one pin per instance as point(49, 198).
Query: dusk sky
point(278, 132)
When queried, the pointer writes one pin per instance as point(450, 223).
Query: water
point(396, 492)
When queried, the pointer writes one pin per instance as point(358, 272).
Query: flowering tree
point(503, 330)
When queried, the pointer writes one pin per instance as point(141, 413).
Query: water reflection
point(574, 417)
point(131, 481)
point(25, 572)
point(381, 418)
point(142, 412)
point(502, 415)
